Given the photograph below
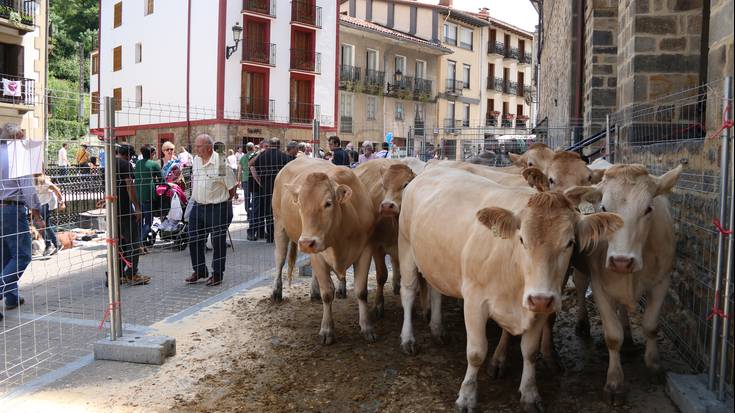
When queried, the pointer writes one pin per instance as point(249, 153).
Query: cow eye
point(602, 207)
point(551, 181)
point(530, 164)
point(521, 238)
point(404, 185)
point(570, 243)
point(328, 204)
point(648, 210)
point(589, 178)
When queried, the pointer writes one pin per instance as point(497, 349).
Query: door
point(302, 52)
point(301, 106)
point(521, 76)
point(254, 95)
point(493, 38)
point(506, 79)
point(506, 42)
point(371, 65)
point(519, 110)
point(257, 47)
point(420, 69)
point(347, 69)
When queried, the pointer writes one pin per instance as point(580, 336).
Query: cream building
point(22, 65)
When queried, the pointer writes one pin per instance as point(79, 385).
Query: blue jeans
point(146, 220)
point(49, 234)
point(204, 220)
point(15, 249)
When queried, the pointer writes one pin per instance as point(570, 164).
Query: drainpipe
point(580, 71)
point(45, 86)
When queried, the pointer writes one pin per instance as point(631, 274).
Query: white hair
point(208, 138)
point(10, 131)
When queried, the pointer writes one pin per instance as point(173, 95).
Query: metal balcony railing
point(19, 90)
point(24, 8)
point(495, 83)
point(349, 74)
point(491, 121)
point(511, 53)
point(520, 89)
point(257, 108)
point(258, 52)
point(306, 12)
point(454, 86)
point(306, 60)
point(524, 58)
point(260, 6)
point(345, 124)
point(400, 83)
point(450, 40)
point(422, 86)
point(419, 127)
point(299, 112)
point(374, 78)
point(496, 48)
point(452, 125)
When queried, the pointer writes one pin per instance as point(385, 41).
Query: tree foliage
point(73, 23)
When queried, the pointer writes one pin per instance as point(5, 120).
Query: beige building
point(22, 65)
point(483, 85)
point(388, 84)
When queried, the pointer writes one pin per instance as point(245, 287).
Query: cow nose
point(388, 208)
point(621, 264)
point(540, 303)
point(307, 245)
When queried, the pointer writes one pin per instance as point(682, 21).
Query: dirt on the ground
point(270, 361)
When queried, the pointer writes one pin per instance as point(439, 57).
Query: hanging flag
point(11, 88)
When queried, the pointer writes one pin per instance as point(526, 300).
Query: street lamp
point(236, 32)
point(398, 77)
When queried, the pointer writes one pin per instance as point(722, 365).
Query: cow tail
point(292, 250)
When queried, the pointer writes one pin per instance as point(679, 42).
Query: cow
point(537, 154)
point(637, 260)
point(503, 250)
point(385, 180)
point(416, 164)
point(326, 210)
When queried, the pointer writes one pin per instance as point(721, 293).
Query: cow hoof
point(496, 371)
point(341, 293)
point(326, 337)
point(441, 338)
point(369, 335)
point(552, 365)
point(378, 312)
point(277, 296)
point(582, 328)
point(614, 396)
point(533, 407)
point(465, 409)
point(409, 347)
point(315, 297)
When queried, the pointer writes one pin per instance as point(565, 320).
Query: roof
point(367, 26)
point(463, 16)
point(505, 26)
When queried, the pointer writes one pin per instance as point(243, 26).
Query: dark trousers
point(146, 220)
point(129, 245)
point(266, 212)
point(205, 220)
point(49, 234)
point(15, 248)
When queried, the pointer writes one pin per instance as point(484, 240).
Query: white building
point(166, 64)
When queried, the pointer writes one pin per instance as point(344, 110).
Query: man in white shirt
point(63, 160)
point(213, 186)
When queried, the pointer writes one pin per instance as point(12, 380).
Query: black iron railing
point(306, 12)
point(81, 189)
point(496, 48)
point(422, 86)
point(374, 77)
point(454, 86)
point(17, 90)
point(260, 6)
point(23, 11)
point(259, 52)
point(257, 108)
point(349, 74)
point(306, 60)
point(302, 112)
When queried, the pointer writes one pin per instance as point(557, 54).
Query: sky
point(516, 12)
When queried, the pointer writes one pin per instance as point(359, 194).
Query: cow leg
point(326, 290)
point(581, 282)
point(548, 352)
point(436, 326)
point(396, 264)
point(341, 292)
point(530, 398)
point(315, 294)
point(614, 339)
point(650, 326)
point(497, 367)
point(475, 321)
point(409, 288)
point(281, 241)
point(362, 268)
point(381, 274)
point(628, 346)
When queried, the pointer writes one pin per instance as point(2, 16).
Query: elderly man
point(213, 187)
point(368, 152)
point(17, 195)
point(265, 168)
point(292, 149)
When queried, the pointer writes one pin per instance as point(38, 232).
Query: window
point(139, 96)
point(399, 110)
point(466, 73)
point(346, 55)
point(493, 37)
point(490, 72)
point(450, 33)
point(450, 111)
point(420, 69)
point(419, 112)
point(371, 107)
point(117, 97)
point(466, 115)
point(345, 105)
point(117, 17)
point(400, 63)
point(451, 70)
point(138, 52)
point(148, 7)
point(95, 64)
point(117, 59)
point(519, 110)
point(372, 59)
point(95, 98)
point(465, 41)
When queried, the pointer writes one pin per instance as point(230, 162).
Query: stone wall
point(720, 60)
point(600, 69)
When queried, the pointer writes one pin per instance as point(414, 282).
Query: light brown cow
point(538, 155)
point(385, 180)
point(637, 260)
point(503, 250)
point(532, 177)
point(327, 210)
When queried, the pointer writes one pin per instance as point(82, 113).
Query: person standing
point(265, 168)
point(258, 225)
point(212, 191)
point(49, 197)
point(247, 184)
point(147, 175)
point(185, 157)
point(63, 159)
point(292, 149)
point(239, 154)
point(232, 161)
point(367, 155)
point(385, 152)
point(339, 156)
point(82, 156)
point(17, 195)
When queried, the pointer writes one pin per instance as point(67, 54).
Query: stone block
point(603, 97)
point(693, 24)
point(685, 5)
point(670, 63)
point(689, 393)
point(602, 37)
point(645, 44)
point(642, 6)
point(655, 24)
point(720, 23)
point(136, 349)
point(612, 82)
point(605, 50)
point(597, 81)
point(602, 69)
point(640, 89)
point(673, 44)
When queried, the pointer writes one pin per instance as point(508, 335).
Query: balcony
point(345, 124)
point(511, 54)
point(524, 58)
point(454, 87)
point(491, 119)
point(496, 48)
point(302, 112)
point(507, 87)
point(20, 93)
point(401, 86)
point(495, 83)
point(452, 125)
point(422, 88)
point(262, 53)
point(521, 122)
point(373, 82)
point(507, 120)
point(523, 90)
point(349, 76)
point(306, 12)
point(266, 7)
point(306, 60)
point(18, 15)
point(257, 108)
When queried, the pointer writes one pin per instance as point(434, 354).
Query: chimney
point(484, 12)
point(446, 3)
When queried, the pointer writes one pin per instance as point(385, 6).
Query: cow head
point(320, 200)
point(538, 155)
point(567, 169)
point(395, 179)
point(629, 191)
point(545, 232)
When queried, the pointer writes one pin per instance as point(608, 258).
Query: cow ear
point(293, 189)
point(667, 181)
point(579, 194)
point(344, 193)
point(536, 178)
point(501, 221)
point(516, 159)
point(596, 176)
point(594, 228)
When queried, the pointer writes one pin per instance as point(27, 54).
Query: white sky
point(516, 12)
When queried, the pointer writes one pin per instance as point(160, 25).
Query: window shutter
point(95, 102)
point(21, 68)
point(118, 15)
point(117, 59)
point(117, 96)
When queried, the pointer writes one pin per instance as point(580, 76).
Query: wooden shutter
point(117, 59)
point(519, 110)
point(95, 64)
point(118, 15)
point(21, 68)
point(149, 7)
point(95, 102)
point(117, 96)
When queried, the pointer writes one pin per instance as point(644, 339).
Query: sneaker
point(57, 250)
point(139, 280)
point(20, 302)
point(50, 250)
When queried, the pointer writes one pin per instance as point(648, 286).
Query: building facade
point(173, 75)
point(23, 65)
point(480, 89)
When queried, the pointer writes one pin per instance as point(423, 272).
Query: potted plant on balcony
point(493, 114)
point(522, 118)
point(508, 116)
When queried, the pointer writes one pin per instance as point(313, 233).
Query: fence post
point(724, 186)
point(607, 138)
point(315, 137)
point(726, 115)
point(113, 260)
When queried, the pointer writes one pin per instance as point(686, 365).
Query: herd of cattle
point(501, 239)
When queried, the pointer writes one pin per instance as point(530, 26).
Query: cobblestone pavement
point(66, 299)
